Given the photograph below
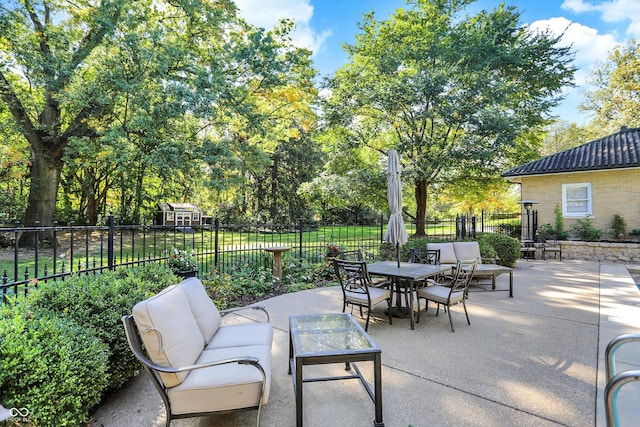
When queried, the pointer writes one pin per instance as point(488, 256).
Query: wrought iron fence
point(58, 252)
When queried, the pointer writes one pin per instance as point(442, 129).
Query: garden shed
point(595, 181)
point(178, 214)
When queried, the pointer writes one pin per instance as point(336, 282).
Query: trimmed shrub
point(506, 248)
point(618, 227)
point(50, 365)
point(99, 302)
point(584, 230)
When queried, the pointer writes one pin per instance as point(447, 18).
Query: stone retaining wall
point(601, 251)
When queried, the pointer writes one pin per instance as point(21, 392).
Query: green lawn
point(90, 250)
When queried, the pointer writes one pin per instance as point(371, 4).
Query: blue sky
point(592, 27)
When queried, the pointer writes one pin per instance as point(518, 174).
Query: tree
point(561, 136)
point(615, 101)
point(452, 94)
point(41, 59)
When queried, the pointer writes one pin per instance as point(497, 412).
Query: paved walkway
point(533, 360)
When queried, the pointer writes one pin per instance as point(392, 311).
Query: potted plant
point(183, 262)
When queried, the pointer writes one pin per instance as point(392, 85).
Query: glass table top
point(336, 333)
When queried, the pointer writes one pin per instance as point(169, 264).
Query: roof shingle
point(616, 151)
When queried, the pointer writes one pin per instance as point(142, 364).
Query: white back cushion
point(467, 250)
point(204, 310)
point(447, 254)
point(169, 331)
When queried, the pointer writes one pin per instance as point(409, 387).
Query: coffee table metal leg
point(511, 284)
point(377, 378)
point(298, 391)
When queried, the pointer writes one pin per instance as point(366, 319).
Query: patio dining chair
point(425, 256)
point(551, 246)
point(357, 255)
point(448, 296)
point(358, 290)
point(354, 255)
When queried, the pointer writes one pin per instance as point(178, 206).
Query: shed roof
point(616, 151)
point(185, 207)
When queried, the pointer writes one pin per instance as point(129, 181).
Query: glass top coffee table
point(317, 339)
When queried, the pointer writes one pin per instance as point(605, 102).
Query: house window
point(576, 200)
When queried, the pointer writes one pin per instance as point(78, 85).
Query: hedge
point(63, 348)
point(50, 365)
point(99, 302)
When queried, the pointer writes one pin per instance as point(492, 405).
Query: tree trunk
point(421, 207)
point(43, 189)
point(93, 204)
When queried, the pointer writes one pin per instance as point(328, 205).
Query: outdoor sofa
point(452, 252)
point(198, 365)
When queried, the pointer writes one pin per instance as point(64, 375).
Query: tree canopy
point(124, 100)
point(121, 104)
point(615, 101)
point(453, 94)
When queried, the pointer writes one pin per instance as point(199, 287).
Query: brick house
point(594, 180)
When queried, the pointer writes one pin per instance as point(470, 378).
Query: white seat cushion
point(204, 310)
point(169, 332)
point(447, 254)
point(241, 335)
point(224, 387)
point(440, 294)
point(377, 295)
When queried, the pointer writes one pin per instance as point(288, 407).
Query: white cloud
point(578, 6)
point(267, 14)
point(613, 11)
point(589, 46)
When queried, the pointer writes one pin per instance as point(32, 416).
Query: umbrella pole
point(398, 253)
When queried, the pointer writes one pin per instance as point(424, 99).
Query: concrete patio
point(533, 360)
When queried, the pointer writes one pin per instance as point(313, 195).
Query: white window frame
point(565, 200)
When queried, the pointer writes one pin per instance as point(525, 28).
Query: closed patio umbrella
point(396, 231)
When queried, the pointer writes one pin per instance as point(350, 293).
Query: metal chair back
point(425, 256)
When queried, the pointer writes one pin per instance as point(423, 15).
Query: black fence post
point(15, 251)
point(463, 231)
point(110, 236)
point(87, 237)
point(55, 245)
point(216, 227)
point(71, 245)
point(300, 239)
point(473, 226)
point(35, 248)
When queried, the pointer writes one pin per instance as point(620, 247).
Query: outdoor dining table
point(405, 272)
